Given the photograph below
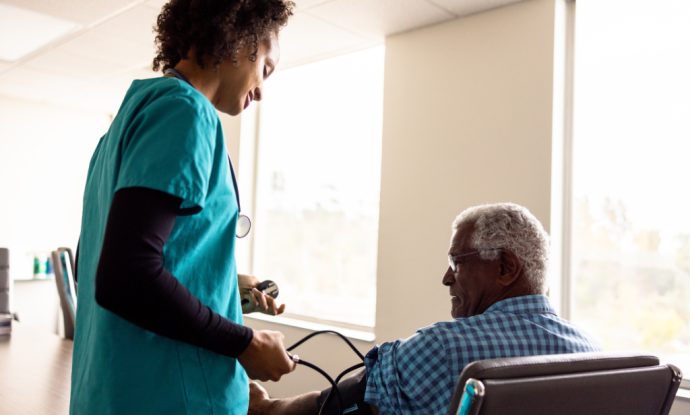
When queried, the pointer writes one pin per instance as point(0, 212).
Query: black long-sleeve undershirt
point(132, 282)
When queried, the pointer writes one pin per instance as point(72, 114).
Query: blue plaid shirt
point(417, 375)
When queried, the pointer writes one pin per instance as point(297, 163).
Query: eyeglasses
point(452, 258)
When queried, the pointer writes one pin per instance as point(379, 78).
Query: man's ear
point(511, 268)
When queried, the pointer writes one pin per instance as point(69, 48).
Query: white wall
point(467, 120)
point(44, 158)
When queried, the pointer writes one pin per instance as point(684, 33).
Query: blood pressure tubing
point(334, 383)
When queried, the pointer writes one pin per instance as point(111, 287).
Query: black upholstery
point(627, 383)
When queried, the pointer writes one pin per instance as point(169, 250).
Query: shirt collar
point(528, 304)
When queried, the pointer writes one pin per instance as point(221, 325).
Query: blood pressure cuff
point(352, 391)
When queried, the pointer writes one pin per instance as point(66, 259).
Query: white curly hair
point(512, 227)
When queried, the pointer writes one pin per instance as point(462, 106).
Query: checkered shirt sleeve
point(402, 376)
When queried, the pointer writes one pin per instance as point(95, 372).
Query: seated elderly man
point(496, 278)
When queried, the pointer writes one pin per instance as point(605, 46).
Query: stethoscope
point(244, 224)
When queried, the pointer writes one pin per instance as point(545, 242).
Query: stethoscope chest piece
point(244, 225)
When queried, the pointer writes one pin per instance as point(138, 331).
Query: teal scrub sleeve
point(170, 148)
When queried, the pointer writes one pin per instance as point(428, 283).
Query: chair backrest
point(69, 266)
point(66, 290)
point(618, 383)
point(5, 281)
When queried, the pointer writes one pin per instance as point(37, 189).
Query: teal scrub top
point(166, 136)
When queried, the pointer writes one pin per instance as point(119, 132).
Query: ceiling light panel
point(23, 32)
point(84, 12)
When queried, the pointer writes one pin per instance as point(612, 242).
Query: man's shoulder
point(448, 332)
point(506, 325)
point(470, 324)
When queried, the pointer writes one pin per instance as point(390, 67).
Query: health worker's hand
point(258, 301)
point(266, 358)
point(245, 283)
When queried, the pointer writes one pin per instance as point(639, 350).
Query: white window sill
point(308, 325)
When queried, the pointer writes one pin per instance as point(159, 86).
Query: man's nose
point(448, 277)
point(258, 93)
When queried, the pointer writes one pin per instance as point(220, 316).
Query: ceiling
point(92, 68)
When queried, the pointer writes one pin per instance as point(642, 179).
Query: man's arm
point(261, 404)
point(306, 404)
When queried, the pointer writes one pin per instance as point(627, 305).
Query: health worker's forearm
point(132, 282)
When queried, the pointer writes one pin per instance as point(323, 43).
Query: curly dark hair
point(216, 28)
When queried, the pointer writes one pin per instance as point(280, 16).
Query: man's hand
point(258, 301)
point(266, 358)
point(258, 400)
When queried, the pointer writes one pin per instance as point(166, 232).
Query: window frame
point(250, 142)
point(562, 166)
point(562, 158)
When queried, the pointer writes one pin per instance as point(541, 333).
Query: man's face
point(473, 286)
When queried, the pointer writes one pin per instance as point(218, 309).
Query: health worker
point(159, 325)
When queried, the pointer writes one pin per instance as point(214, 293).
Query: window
point(631, 193)
point(317, 187)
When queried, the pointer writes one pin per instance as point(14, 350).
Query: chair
point(621, 383)
point(66, 287)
